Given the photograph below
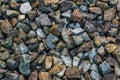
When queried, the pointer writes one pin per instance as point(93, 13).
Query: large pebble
point(67, 60)
point(95, 76)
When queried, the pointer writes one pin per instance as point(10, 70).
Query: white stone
point(67, 60)
point(25, 7)
point(76, 61)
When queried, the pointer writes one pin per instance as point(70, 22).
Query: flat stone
point(95, 76)
point(48, 62)
point(33, 75)
point(12, 13)
point(67, 60)
point(25, 7)
point(44, 76)
point(72, 72)
point(109, 14)
point(11, 76)
point(52, 38)
point(43, 20)
point(96, 10)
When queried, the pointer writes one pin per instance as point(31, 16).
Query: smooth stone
point(95, 76)
point(43, 20)
point(25, 7)
point(67, 60)
point(104, 68)
point(49, 44)
point(40, 33)
point(11, 76)
point(76, 61)
point(44, 76)
point(12, 13)
point(77, 30)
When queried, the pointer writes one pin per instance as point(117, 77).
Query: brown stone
point(35, 3)
point(13, 4)
point(86, 46)
point(44, 76)
point(13, 21)
point(110, 48)
point(72, 72)
point(87, 76)
point(21, 77)
point(31, 14)
point(109, 14)
point(5, 26)
point(54, 30)
point(56, 69)
point(112, 61)
point(115, 22)
point(118, 6)
point(102, 5)
point(33, 75)
point(96, 10)
point(117, 53)
point(97, 59)
point(47, 2)
point(77, 15)
point(41, 58)
point(48, 62)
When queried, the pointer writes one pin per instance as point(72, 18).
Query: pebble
point(40, 33)
point(72, 72)
point(48, 62)
point(43, 20)
point(12, 13)
point(66, 5)
point(78, 40)
point(113, 31)
point(95, 76)
point(67, 14)
point(76, 61)
point(67, 60)
point(110, 48)
point(92, 54)
point(113, 2)
point(52, 38)
point(44, 76)
point(25, 7)
point(104, 68)
point(109, 14)
point(118, 6)
point(84, 8)
point(12, 64)
point(110, 76)
point(94, 67)
point(77, 30)
point(49, 44)
point(7, 43)
point(96, 10)
point(56, 60)
point(33, 75)
point(11, 76)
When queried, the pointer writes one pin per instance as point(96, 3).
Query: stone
point(69, 41)
point(52, 38)
point(57, 69)
point(5, 26)
point(84, 66)
point(110, 48)
point(117, 53)
point(77, 30)
point(109, 14)
point(67, 14)
point(102, 5)
point(31, 14)
point(12, 13)
point(23, 26)
point(94, 67)
point(67, 60)
point(111, 76)
point(76, 61)
point(77, 15)
point(113, 31)
point(13, 21)
point(83, 8)
point(40, 33)
point(41, 58)
point(2, 64)
point(78, 40)
point(49, 44)
point(60, 45)
point(97, 59)
point(66, 5)
point(112, 61)
point(33, 75)
point(56, 60)
point(96, 10)
point(104, 68)
point(54, 29)
point(85, 36)
point(35, 3)
point(72, 72)
point(95, 76)
point(118, 6)
point(25, 7)
point(87, 76)
point(92, 54)
point(48, 62)
point(89, 27)
point(101, 51)
point(47, 2)
point(22, 49)
point(44, 76)
point(12, 64)
point(5, 55)
point(85, 46)
point(31, 34)
point(11, 76)
point(113, 2)
point(7, 43)
point(13, 4)
point(21, 77)
point(43, 20)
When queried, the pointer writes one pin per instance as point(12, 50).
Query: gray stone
point(23, 26)
point(83, 8)
point(7, 43)
point(85, 36)
point(105, 68)
point(40, 33)
point(50, 44)
point(77, 30)
point(31, 34)
point(2, 64)
point(11, 76)
point(92, 54)
point(94, 67)
point(113, 31)
point(67, 60)
point(25, 7)
point(78, 40)
point(95, 76)
point(76, 61)
point(118, 6)
point(52, 38)
point(43, 20)
point(12, 64)
point(113, 2)
point(67, 14)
